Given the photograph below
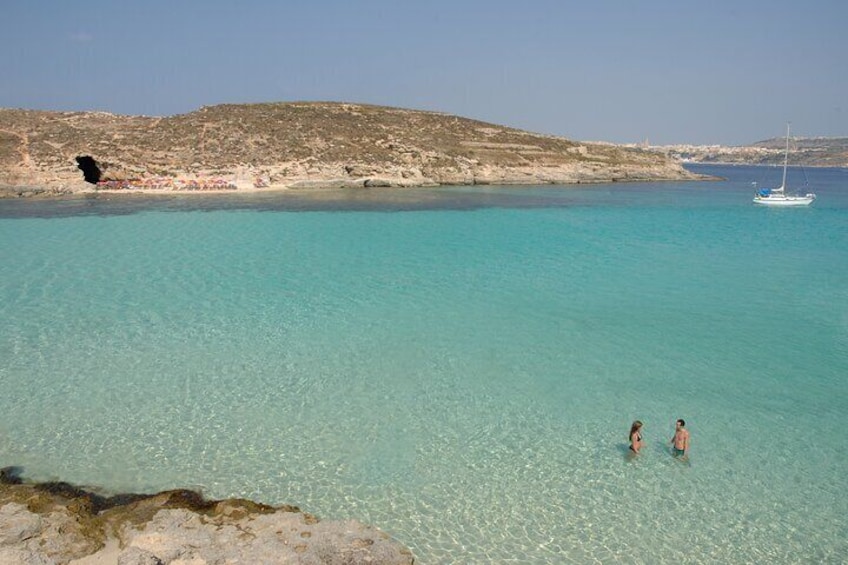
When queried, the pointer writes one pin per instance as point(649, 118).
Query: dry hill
point(296, 145)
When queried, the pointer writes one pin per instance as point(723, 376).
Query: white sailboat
point(778, 196)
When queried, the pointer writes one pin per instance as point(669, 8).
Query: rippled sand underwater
point(456, 366)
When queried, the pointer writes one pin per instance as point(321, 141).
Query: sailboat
point(778, 196)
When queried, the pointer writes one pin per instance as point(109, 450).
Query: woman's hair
point(634, 428)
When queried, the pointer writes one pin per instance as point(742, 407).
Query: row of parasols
point(167, 183)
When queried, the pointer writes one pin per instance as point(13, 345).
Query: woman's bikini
point(638, 439)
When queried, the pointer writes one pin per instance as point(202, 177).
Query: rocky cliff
point(300, 145)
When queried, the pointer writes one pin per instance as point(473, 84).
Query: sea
point(457, 366)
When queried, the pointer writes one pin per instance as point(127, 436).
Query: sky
point(718, 72)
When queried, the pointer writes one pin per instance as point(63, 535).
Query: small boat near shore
point(778, 196)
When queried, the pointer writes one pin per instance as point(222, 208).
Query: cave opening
point(89, 168)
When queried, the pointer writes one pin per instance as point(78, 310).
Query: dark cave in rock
point(89, 168)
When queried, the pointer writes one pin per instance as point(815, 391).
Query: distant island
point(803, 151)
point(296, 145)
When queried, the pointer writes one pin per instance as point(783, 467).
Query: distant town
point(808, 152)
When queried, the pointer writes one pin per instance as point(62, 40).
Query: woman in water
point(636, 437)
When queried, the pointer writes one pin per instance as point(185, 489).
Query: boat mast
point(785, 158)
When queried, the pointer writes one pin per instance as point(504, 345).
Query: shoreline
point(316, 186)
point(55, 521)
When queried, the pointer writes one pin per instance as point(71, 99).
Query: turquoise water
point(457, 366)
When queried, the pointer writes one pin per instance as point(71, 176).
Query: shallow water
point(457, 366)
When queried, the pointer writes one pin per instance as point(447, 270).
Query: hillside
point(295, 145)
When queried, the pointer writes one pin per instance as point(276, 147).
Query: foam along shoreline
point(55, 522)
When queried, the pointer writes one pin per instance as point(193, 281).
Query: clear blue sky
point(729, 72)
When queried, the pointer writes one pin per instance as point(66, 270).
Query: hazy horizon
point(611, 71)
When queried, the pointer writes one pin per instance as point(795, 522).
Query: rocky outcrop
point(57, 523)
point(297, 145)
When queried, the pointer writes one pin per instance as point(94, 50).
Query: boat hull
point(785, 200)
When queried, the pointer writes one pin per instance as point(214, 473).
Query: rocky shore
point(305, 145)
point(58, 523)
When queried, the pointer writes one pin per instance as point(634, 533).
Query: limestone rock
point(57, 523)
point(136, 556)
point(269, 538)
point(19, 524)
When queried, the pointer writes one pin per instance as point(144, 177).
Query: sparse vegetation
point(307, 141)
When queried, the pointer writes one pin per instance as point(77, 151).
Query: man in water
point(680, 441)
